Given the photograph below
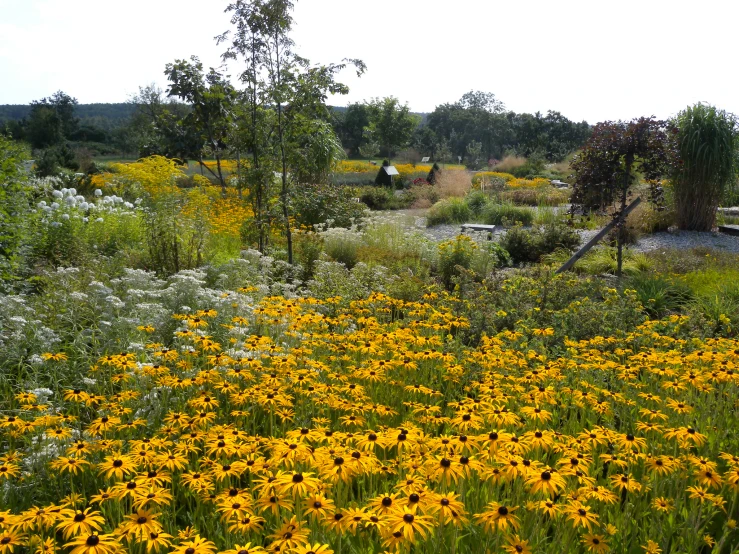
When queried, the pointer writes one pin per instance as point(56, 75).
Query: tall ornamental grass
point(706, 144)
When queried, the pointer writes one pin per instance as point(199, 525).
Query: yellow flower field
point(299, 425)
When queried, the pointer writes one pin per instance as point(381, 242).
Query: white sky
point(589, 59)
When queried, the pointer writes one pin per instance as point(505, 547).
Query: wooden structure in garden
point(596, 239)
point(729, 230)
point(385, 175)
point(477, 227)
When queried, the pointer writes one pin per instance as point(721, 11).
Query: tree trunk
point(622, 214)
point(220, 173)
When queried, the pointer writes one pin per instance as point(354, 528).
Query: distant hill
point(115, 113)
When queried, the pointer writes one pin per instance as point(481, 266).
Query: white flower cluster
point(65, 204)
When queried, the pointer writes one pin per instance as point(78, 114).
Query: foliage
point(326, 204)
point(459, 124)
point(705, 146)
point(190, 389)
point(53, 160)
point(449, 210)
point(490, 176)
point(506, 214)
point(476, 201)
point(454, 256)
point(529, 245)
point(351, 126)
point(14, 205)
point(603, 261)
point(382, 198)
point(546, 195)
point(51, 120)
point(390, 124)
point(211, 97)
point(342, 246)
point(659, 294)
point(606, 168)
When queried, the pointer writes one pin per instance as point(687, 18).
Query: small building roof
point(390, 170)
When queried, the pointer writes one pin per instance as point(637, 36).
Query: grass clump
point(506, 214)
point(449, 210)
point(530, 245)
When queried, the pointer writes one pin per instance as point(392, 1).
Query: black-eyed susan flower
point(73, 522)
point(499, 517)
point(94, 544)
point(595, 543)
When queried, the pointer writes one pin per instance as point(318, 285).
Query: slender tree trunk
point(621, 215)
point(220, 173)
point(283, 158)
point(238, 172)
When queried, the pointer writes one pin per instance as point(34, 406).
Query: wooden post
point(597, 238)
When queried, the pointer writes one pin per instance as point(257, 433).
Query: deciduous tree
point(607, 167)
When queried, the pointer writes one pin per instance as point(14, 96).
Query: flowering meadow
point(164, 388)
point(170, 416)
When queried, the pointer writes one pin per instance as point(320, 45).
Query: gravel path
point(676, 240)
point(687, 240)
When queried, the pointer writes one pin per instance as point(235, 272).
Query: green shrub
point(659, 295)
point(536, 196)
point(326, 204)
point(529, 245)
point(308, 248)
point(450, 210)
point(602, 261)
point(342, 247)
point(453, 255)
point(506, 214)
point(489, 256)
point(383, 198)
point(354, 179)
point(520, 245)
point(556, 236)
point(476, 202)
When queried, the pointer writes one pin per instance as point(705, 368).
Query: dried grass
point(453, 183)
point(509, 163)
point(421, 204)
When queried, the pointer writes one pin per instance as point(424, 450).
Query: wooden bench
point(729, 230)
point(476, 227)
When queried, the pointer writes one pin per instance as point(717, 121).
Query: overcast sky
point(590, 59)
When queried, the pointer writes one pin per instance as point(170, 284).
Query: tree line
point(476, 128)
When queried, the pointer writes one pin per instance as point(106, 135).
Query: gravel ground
point(687, 240)
point(676, 240)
